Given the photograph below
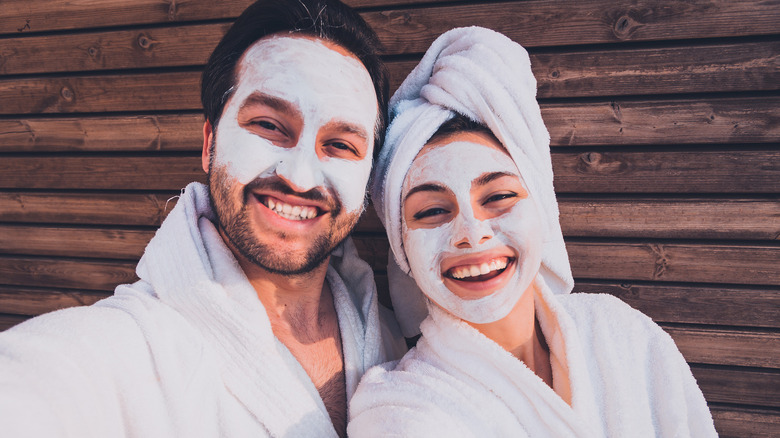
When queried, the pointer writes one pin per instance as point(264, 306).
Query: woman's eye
point(430, 213)
point(500, 196)
point(341, 146)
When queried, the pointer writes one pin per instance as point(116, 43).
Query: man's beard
point(233, 219)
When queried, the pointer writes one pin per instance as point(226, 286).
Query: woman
point(471, 216)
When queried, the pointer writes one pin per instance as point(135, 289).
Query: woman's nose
point(470, 232)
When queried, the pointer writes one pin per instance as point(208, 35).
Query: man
point(253, 315)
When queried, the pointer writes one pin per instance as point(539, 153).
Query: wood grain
point(74, 242)
point(727, 347)
point(738, 385)
point(86, 208)
point(618, 122)
point(736, 422)
point(652, 261)
point(21, 16)
point(65, 273)
point(32, 302)
point(8, 321)
point(693, 304)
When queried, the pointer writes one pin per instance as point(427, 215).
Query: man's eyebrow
point(347, 127)
point(425, 188)
point(486, 178)
point(275, 103)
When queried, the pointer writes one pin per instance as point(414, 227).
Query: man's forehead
point(285, 45)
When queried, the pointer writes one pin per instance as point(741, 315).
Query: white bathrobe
point(186, 351)
point(615, 374)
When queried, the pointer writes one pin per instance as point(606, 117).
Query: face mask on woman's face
point(471, 232)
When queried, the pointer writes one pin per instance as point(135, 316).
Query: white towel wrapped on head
point(487, 77)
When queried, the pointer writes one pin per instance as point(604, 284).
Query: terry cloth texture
point(487, 77)
point(625, 376)
point(186, 351)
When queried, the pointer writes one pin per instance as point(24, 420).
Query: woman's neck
point(520, 334)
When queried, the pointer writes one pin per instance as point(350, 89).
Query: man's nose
point(300, 167)
point(469, 232)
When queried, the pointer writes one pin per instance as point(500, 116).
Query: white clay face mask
point(517, 231)
point(324, 87)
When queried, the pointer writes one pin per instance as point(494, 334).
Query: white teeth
point(497, 264)
point(287, 211)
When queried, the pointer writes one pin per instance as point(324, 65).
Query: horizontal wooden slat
point(91, 208)
point(20, 16)
point(123, 92)
point(682, 218)
point(169, 132)
point(749, 307)
point(714, 121)
point(727, 347)
point(738, 385)
point(734, 422)
point(586, 172)
point(8, 321)
point(713, 263)
point(74, 242)
point(32, 302)
point(65, 273)
point(669, 172)
point(737, 67)
point(732, 264)
point(547, 23)
point(120, 173)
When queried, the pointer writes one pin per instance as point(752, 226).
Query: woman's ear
point(207, 137)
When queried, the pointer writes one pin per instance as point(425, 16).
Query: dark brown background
point(665, 123)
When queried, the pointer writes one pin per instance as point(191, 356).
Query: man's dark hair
point(330, 20)
point(460, 123)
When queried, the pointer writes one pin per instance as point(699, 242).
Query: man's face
point(292, 153)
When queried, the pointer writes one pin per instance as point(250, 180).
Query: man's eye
point(430, 213)
point(265, 124)
point(341, 146)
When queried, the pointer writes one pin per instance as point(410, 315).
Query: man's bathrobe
point(615, 374)
point(187, 351)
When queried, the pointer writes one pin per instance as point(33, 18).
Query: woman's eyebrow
point(425, 188)
point(487, 177)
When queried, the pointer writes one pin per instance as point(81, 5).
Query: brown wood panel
point(736, 67)
point(714, 121)
point(125, 49)
point(748, 307)
point(549, 23)
point(65, 273)
point(671, 218)
point(89, 208)
point(21, 16)
point(586, 172)
point(700, 120)
point(738, 385)
point(705, 171)
point(118, 173)
point(32, 302)
point(74, 242)
point(727, 347)
point(717, 68)
point(8, 321)
point(711, 263)
point(165, 132)
point(659, 261)
point(116, 92)
point(734, 422)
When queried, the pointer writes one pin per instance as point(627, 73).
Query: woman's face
point(471, 232)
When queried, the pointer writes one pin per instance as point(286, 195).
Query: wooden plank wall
point(665, 124)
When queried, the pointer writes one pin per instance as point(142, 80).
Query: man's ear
point(207, 134)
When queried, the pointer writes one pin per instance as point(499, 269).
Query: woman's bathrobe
point(615, 374)
point(187, 351)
